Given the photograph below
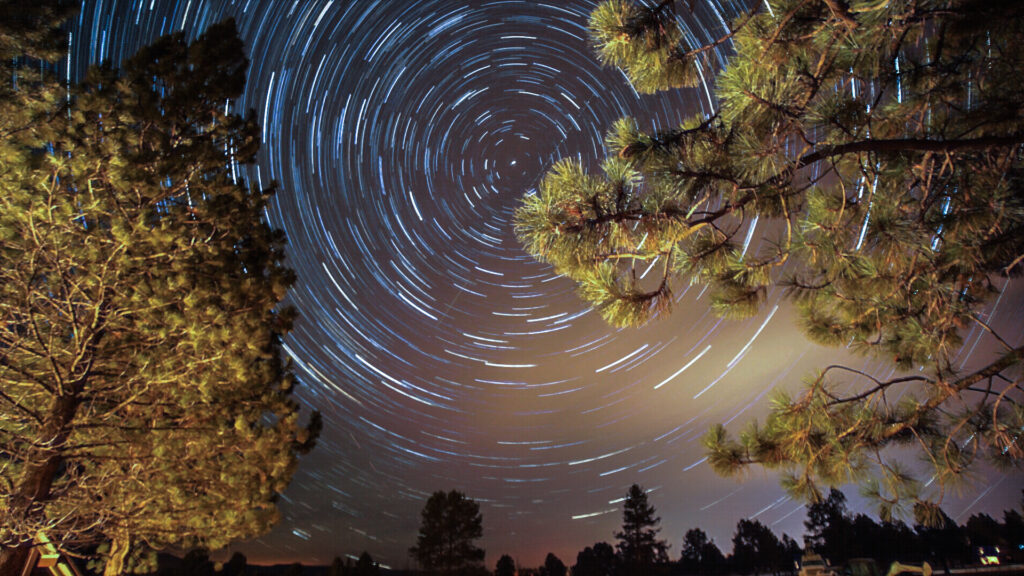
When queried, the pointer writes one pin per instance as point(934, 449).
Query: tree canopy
point(553, 566)
point(598, 560)
point(700, 554)
point(144, 400)
point(757, 550)
point(873, 150)
point(366, 566)
point(450, 523)
point(828, 528)
point(506, 566)
point(839, 535)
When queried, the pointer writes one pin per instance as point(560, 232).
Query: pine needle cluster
point(877, 148)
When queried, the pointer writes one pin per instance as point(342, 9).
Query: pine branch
point(892, 146)
point(721, 39)
point(629, 254)
point(842, 12)
point(668, 139)
point(880, 385)
point(1011, 358)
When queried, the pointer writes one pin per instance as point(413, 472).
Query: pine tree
point(196, 563)
point(598, 560)
point(944, 542)
point(450, 524)
point(791, 553)
point(338, 568)
point(639, 547)
point(828, 526)
point(756, 549)
point(143, 397)
point(983, 530)
point(700, 554)
point(876, 146)
point(365, 566)
point(553, 566)
point(235, 566)
point(506, 566)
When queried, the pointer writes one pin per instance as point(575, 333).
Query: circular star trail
point(401, 136)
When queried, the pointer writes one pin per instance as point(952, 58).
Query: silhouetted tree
point(756, 549)
point(828, 527)
point(639, 546)
point(196, 563)
point(294, 569)
point(235, 566)
point(838, 536)
point(553, 566)
point(1013, 533)
point(700, 554)
point(944, 542)
point(365, 566)
point(337, 568)
point(983, 530)
point(450, 523)
point(506, 566)
point(891, 541)
point(792, 552)
point(598, 560)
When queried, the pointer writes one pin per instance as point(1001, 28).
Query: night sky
point(402, 134)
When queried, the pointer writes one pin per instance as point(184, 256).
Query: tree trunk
point(119, 549)
point(12, 560)
point(33, 489)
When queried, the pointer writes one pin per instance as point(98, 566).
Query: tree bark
point(12, 560)
point(33, 489)
point(911, 145)
point(119, 548)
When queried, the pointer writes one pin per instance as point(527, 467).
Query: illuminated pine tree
point(143, 398)
point(876, 146)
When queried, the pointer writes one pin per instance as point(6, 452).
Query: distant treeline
point(831, 531)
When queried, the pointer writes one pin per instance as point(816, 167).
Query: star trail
point(401, 135)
